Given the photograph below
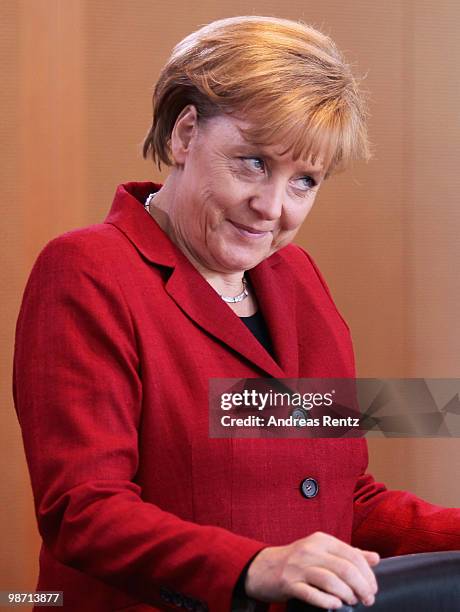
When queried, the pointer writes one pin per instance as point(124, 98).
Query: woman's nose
point(268, 203)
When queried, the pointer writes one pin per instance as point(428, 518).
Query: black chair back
point(424, 582)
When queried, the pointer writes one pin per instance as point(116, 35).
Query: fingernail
point(353, 602)
point(369, 601)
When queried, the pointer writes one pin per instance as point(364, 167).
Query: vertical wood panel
point(436, 189)
point(432, 246)
point(44, 193)
point(18, 560)
point(53, 108)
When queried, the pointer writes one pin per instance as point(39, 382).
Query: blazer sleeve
point(399, 523)
point(78, 395)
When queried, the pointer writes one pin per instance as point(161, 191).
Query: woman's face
point(236, 203)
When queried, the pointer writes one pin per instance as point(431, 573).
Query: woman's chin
point(237, 262)
point(227, 255)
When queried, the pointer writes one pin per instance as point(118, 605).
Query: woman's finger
point(352, 575)
point(372, 557)
point(311, 595)
point(330, 582)
point(357, 558)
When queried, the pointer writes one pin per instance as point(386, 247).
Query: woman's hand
point(319, 570)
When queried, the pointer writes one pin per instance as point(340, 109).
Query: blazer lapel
point(195, 296)
point(275, 290)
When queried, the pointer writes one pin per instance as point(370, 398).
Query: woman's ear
point(182, 133)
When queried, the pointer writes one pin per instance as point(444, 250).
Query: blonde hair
point(286, 78)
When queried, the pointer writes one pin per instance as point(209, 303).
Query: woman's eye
point(255, 163)
point(306, 183)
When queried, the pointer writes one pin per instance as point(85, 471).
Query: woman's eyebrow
point(304, 168)
point(258, 149)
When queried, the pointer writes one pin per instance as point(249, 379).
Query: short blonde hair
point(286, 78)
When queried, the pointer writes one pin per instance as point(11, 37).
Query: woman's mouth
point(248, 231)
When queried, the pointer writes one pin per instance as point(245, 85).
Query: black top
point(256, 324)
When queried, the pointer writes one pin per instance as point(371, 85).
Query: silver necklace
point(229, 299)
point(238, 298)
point(148, 200)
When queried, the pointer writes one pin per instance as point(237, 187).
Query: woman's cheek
point(283, 239)
point(297, 217)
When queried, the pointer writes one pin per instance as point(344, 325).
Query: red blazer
point(138, 508)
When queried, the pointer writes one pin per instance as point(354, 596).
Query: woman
point(123, 324)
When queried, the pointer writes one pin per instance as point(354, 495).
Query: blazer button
point(299, 413)
point(309, 488)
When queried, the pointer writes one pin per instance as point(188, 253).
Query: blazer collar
point(271, 279)
point(129, 215)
